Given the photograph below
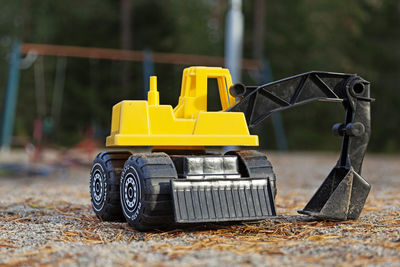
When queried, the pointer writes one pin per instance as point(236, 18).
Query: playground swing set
point(47, 118)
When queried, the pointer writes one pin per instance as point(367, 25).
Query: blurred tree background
point(361, 36)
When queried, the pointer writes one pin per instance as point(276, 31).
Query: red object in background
point(38, 130)
point(36, 153)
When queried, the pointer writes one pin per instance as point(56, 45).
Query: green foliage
point(361, 36)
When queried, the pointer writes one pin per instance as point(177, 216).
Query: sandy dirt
point(49, 221)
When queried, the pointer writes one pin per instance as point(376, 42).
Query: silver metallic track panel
point(222, 200)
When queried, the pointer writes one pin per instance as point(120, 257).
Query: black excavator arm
point(344, 192)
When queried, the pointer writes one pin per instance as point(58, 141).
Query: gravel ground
point(49, 221)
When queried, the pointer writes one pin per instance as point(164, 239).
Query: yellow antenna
point(153, 97)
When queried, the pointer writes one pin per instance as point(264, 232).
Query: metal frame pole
point(10, 100)
point(234, 39)
point(148, 70)
point(277, 121)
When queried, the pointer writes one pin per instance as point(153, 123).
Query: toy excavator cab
point(194, 90)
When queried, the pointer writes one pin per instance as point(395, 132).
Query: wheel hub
point(130, 193)
point(97, 187)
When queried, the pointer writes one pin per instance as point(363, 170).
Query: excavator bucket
point(340, 197)
point(343, 193)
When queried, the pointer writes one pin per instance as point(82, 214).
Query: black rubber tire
point(145, 191)
point(253, 163)
point(104, 185)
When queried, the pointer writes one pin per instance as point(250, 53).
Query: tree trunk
point(126, 42)
point(258, 30)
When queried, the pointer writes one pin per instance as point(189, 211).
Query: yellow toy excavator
point(189, 124)
point(182, 182)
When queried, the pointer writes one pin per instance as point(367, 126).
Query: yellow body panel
point(146, 123)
